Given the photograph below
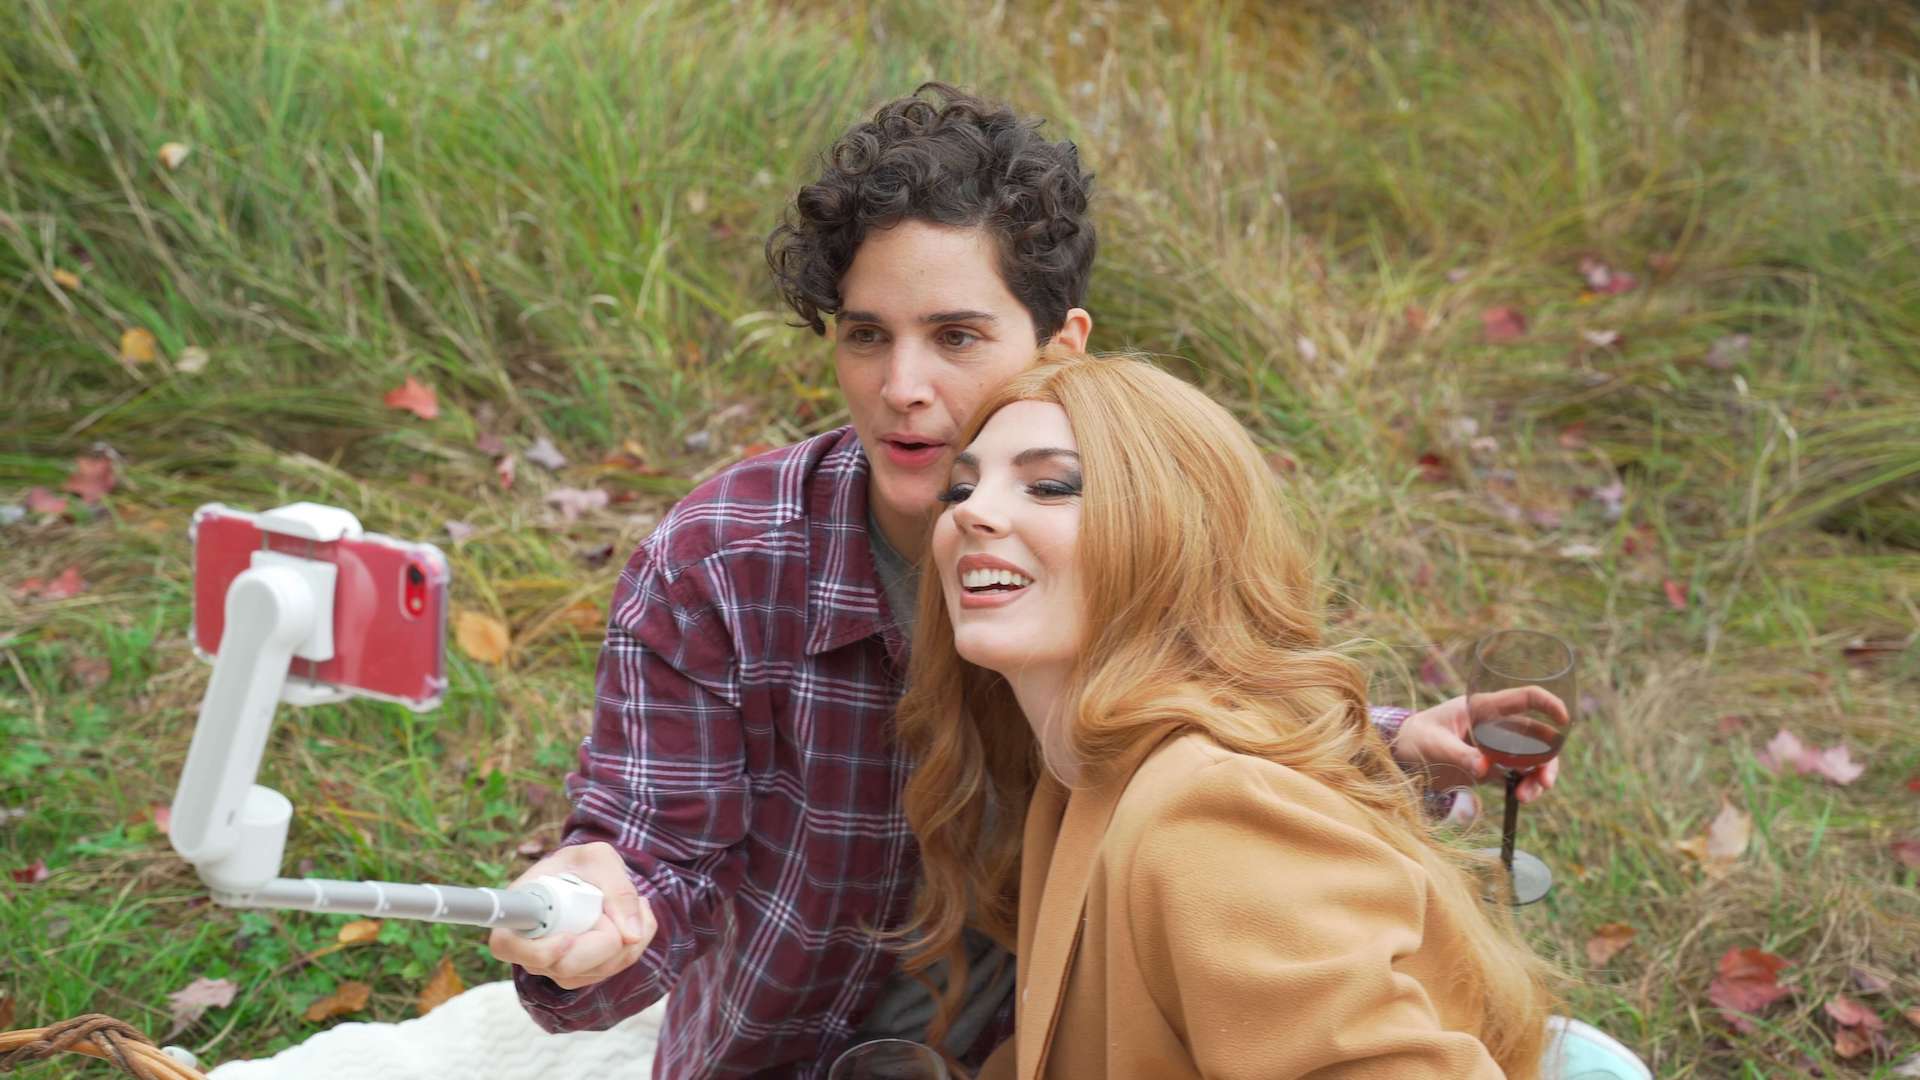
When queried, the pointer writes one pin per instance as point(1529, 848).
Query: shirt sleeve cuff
point(1387, 720)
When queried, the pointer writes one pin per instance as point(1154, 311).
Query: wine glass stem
point(1512, 823)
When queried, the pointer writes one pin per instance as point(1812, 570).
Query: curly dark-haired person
point(738, 798)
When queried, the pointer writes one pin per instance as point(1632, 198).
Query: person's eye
point(863, 335)
point(956, 338)
point(956, 493)
point(1054, 489)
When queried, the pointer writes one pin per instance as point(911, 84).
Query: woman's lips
point(970, 600)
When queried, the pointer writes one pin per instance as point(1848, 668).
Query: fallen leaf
point(359, 932)
point(1908, 1068)
point(346, 998)
point(89, 671)
point(33, 873)
point(1501, 325)
point(1580, 551)
point(1913, 784)
point(490, 444)
point(189, 1003)
point(1728, 351)
point(1908, 852)
point(444, 984)
point(1850, 1013)
point(1676, 594)
point(41, 501)
point(92, 477)
point(1912, 1016)
point(1573, 436)
point(173, 154)
point(505, 469)
point(137, 346)
point(696, 201)
point(1434, 468)
point(1850, 1042)
point(584, 616)
point(415, 397)
point(64, 587)
point(6, 1012)
point(162, 816)
point(1415, 318)
point(459, 531)
point(193, 360)
point(1868, 982)
point(544, 454)
point(597, 557)
point(1612, 500)
point(1601, 339)
point(1604, 279)
point(1607, 941)
point(1309, 352)
point(67, 280)
point(482, 636)
point(1728, 836)
point(1729, 724)
point(1747, 983)
point(1835, 764)
point(572, 502)
point(1782, 751)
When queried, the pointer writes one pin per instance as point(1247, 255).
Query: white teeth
point(980, 579)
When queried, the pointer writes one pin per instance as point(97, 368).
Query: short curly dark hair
point(962, 161)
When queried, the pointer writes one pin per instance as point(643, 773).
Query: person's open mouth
point(986, 582)
point(910, 452)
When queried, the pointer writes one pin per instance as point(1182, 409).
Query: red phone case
point(389, 604)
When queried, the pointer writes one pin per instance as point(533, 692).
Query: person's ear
point(1075, 331)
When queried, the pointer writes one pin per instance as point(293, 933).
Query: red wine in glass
point(1519, 689)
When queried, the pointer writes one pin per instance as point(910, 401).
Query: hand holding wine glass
point(1518, 692)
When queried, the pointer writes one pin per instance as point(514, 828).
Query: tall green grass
point(554, 213)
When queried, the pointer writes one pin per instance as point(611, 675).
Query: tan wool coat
point(1212, 914)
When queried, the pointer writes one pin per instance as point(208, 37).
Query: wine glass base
point(1531, 878)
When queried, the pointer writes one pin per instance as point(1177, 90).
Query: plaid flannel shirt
point(741, 760)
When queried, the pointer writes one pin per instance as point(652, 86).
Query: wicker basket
point(97, 1036)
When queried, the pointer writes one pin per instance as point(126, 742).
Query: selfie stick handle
point(233, 830)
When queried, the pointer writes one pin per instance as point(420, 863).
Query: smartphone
point(389, 605)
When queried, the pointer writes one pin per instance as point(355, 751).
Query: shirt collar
point(844, 601)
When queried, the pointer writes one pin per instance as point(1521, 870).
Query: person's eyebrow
point(960, 316)
point(856, 316)
point(964, 458)
point(1036, 453)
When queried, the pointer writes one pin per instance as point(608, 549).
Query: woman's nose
point(979, 515)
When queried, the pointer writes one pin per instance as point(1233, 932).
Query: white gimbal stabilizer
point(234, 831)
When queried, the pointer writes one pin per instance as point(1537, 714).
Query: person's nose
point(909, 383)
point(982, 514)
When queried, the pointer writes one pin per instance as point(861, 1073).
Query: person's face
point(1005, 547)
point(926, 329)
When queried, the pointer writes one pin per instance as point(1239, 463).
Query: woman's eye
point(1054, 489)
point(958, 339)
point(956, 493)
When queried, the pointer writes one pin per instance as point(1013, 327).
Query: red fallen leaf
point(162, 817)
point(1500, 325)
point(415, 397)
point(1851, 1042)
point(1913, 784)
point(1676, 594)
point(33, 873)
point(1416, 318)
point(1850, 1013)
point(1908, 852)
point(1434, 468)
point(66, 586)
point(504, 469)
point(1748, 980)
point(1863, 652)
point(92, 477)
point(1729, 724)
point(1604, 279)
point(41, 501)
point(1574, 436)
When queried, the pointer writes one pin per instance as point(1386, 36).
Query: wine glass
point(1519, 692)
point(889, 1059)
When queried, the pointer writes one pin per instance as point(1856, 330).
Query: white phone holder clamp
point(233, 830)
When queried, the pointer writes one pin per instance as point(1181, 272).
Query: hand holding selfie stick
point(234, 831)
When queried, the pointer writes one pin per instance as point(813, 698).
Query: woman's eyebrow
point(1036, 453)
point(964, 458)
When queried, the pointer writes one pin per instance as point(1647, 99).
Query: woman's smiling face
point(1006, 546)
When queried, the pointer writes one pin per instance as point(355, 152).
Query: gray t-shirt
point(905, 1008)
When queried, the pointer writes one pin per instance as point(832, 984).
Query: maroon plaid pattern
point(742, 762)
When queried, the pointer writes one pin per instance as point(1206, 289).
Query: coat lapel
point(1059, 864)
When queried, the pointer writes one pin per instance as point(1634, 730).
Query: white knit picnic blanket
point(482, 1032)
